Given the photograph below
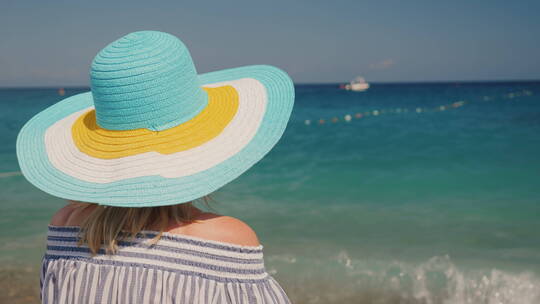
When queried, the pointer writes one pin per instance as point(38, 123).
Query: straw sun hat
point(152, 132)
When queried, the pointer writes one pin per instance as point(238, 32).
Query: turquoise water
point(411, 203)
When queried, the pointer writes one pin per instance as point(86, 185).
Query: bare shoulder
point(61, 216)
point(70, 215)
point(221, 228)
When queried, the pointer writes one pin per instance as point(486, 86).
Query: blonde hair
point(107, 225)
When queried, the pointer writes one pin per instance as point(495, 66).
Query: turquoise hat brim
point(155, 190)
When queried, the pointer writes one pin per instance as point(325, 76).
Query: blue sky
point(51, 43)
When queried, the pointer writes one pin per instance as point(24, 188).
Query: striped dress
point(177, 269)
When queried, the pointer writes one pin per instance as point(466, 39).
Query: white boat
point(358, 84)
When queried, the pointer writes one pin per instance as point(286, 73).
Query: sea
point(405, 193)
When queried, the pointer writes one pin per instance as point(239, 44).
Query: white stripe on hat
point(65, 156)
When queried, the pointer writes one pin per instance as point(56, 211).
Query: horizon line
point(321, 83)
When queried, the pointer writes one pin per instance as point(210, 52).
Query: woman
point(132, 155)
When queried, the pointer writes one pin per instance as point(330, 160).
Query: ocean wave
point(435, 281)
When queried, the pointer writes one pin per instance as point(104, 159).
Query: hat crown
point(145, 80)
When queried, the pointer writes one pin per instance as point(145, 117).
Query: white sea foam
point(435, 281)
point(439, 281)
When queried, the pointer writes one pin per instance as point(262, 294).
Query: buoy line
point(454, 105)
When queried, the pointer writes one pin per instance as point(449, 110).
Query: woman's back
point(182, 267)
point(152, 136)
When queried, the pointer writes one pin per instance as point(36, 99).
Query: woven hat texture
point(152, 131)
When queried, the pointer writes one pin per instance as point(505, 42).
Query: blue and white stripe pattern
point(176, 269)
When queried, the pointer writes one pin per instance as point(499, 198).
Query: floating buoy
point(358, 115)
point(307, 122)
point(418, 110)
point(321, 121)
point(61, 92)
point(348, 118)
point(375, 113)
point(458, 104)
point(335, 119)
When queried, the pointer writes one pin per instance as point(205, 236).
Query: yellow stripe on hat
point(108, 144)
